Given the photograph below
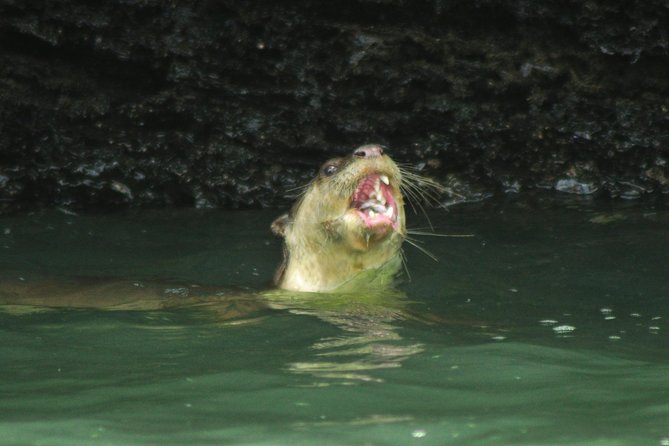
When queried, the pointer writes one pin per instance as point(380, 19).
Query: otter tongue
point(374, 205)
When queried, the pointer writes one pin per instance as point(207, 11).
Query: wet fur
point(324, 244)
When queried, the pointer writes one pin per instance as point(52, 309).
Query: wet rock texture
point(230, 103)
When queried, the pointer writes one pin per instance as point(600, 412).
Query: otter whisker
point(434, 234)
point(427, 217)
point(417, 191)
point(427, 186)
point(301, 189)
point(410, 194)
point(403, 258)
point(411, 198)
point(415, 244)
point(428, 189)
point(418, 188)
point(414, 200)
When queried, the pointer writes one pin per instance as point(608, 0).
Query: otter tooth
point(389, 212)
point(385, 180)
point(372, 214)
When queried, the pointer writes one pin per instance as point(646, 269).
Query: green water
point(547, 327)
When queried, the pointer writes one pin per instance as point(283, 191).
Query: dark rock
point(229, 103)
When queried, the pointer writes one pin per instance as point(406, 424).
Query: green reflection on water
point(467, 352)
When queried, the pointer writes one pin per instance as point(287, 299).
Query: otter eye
point(331, 167)
point(330, 170)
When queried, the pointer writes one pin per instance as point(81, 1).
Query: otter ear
point(280, 224)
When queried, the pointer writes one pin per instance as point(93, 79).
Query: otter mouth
point(374, 202)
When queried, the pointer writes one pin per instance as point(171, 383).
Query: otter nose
point(368, 151)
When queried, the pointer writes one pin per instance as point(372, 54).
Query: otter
point(347, 229)
point(344, 234)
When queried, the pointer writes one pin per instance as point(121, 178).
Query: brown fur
point(326, 243)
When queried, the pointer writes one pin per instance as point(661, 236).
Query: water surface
point(547, 327)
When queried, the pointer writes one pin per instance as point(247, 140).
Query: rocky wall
point(232, 103)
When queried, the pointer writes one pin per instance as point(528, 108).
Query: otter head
point(347, 229)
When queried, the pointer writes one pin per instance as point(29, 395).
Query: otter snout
point(368, 151)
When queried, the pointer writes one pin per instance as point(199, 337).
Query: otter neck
point(344, 271)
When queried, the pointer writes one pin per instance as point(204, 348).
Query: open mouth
point(373, 200)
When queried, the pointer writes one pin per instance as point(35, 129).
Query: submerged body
point(343, 235)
